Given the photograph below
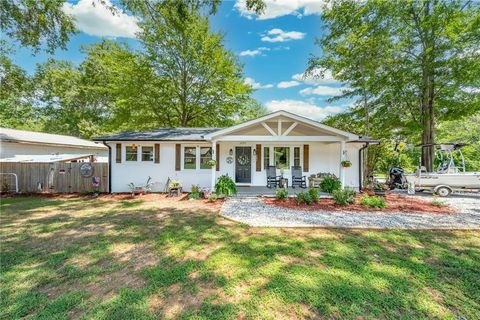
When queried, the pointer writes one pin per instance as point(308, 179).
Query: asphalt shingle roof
point(163, 134)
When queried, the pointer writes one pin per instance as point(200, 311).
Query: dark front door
point(243, 164)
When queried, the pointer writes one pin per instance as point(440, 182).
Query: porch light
point(230, 152)
point(254, 152)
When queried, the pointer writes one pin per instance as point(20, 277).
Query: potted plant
point(211, 163)
point(225, 186)
point(346, 163)
point(174, 188)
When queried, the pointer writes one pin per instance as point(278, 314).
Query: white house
point(243, 152)
point(30, 146)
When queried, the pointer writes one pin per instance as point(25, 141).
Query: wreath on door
point(243, 160)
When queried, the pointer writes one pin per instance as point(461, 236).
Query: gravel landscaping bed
point(254, 212)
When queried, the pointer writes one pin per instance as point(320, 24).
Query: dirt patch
point(395, 203)
point(176, 299)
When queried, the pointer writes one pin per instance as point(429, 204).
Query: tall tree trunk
point(428, 79)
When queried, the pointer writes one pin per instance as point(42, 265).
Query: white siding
point(324, 157)
point(138, 172)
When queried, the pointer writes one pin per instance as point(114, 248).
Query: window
point(296, 156)
point(266, 157)
point(205, 156)
point(131, 153)
point(282, 157)
point(147, 153)
point(190, 158)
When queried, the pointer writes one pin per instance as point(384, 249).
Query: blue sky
point(274, 49)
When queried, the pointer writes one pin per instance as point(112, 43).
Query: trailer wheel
point(443, 191)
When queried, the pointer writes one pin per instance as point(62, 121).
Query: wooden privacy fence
point(57, 177)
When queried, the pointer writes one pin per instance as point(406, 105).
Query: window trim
point(141, 153)
point(287, 157)
point(200, 157)
point(126, 154)
point(266, 151)
point(183, 157)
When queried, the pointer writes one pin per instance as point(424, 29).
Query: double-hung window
point(205, 156)
point(131, 153)
point(282, 157)
point(266, 157)
point(296, 156)
point(147, 153)
point(190, 158)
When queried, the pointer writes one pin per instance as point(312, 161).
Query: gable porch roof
point(346, 135)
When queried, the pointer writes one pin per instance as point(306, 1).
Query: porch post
point(214, 168)
point(342, 169)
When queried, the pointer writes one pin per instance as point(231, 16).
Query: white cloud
point(287, 84)
point(257, 85)
point(303, 108)
point(278, 35)
point(278, 8)
point(95, 18)
point(321, 91)
point(255, 52)
point(314, 77)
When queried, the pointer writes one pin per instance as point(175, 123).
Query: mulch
point(395, 203)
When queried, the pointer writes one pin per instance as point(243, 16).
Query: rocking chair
point(297, 178)
point(272, 179)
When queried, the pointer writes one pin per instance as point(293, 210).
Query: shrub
point(344, 197)
point(225, 186)
point(373, 201)
point(304, 197)
point(213, 197)
point(438, 203)
point(281, 194)
point(330, 184)
point(194, 193)
point(313, 192)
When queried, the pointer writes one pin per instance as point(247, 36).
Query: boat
point(448, 177)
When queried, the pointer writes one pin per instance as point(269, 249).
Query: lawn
point(150, 257)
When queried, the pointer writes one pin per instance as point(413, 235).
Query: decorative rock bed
point(255, 212)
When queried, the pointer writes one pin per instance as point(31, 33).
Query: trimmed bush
point(213, 197)
point(373, 202)
point(330, 184)
point(281, 194)
point(344, 197)
point(313, 192)
point(304, 197)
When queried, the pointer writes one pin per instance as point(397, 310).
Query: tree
point(414, 62)
point(36, 24)
point(16, 94)
point(203, 82)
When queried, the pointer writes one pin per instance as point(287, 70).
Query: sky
point(274, 49)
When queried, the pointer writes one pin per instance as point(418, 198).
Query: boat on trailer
point(448, 177)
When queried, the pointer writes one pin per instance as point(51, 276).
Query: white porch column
point(342, 169)
point(214, 168)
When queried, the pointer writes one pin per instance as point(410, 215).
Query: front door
point(243, 164)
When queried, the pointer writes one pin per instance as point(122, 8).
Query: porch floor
point(256, 191)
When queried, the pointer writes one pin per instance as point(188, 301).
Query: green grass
point(150, 258)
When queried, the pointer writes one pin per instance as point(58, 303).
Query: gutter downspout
point(360, 166)
point(109, 167)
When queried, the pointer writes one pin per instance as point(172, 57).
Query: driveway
point(254, 212)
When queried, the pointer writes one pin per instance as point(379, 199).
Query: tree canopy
point(410, 64)
point(182, 76)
